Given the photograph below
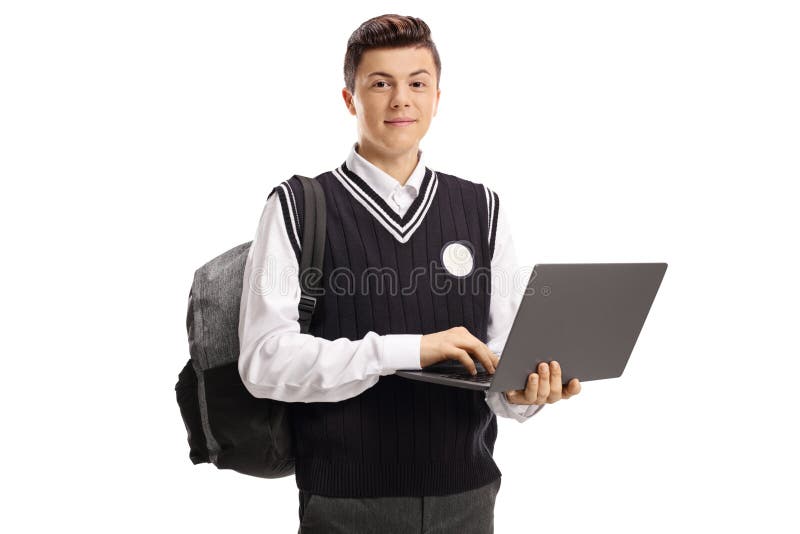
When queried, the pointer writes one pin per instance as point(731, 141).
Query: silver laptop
point(586, 316)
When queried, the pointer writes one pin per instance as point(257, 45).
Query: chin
point(403, 138)
point(401, 147)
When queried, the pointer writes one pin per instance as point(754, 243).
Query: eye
point(376, 84)
point(421, 84)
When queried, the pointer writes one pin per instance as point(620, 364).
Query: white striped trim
point(292, 211)
point(400, 233)
point(490, 205)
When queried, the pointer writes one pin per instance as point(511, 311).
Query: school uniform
point(400, 261)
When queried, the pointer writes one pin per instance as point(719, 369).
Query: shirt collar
point(380, 181)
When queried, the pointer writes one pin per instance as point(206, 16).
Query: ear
point(348, 100)
point(436, 104)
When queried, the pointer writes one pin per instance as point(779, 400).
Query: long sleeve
point(277, 361)
point(507, 292)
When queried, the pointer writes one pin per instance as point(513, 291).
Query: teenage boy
point(377, 453)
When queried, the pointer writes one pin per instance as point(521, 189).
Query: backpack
point(225, 424)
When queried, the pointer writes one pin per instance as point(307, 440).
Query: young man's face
point(392, 84)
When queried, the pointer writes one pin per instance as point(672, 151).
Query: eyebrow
point(387, 75)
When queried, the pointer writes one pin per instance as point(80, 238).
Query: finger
point(573, 388)
point(528, 395)
point(486, 356)
point(544, 384)
point(465, 359)
point(555, 382)
point(481, 352)
point(516, 396)
point(489, 357)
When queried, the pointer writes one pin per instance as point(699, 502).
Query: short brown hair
point(387, 31)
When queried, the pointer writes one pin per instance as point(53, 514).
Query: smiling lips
point(401, 121)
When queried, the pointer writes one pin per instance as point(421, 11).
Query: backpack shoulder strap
point(313, 248)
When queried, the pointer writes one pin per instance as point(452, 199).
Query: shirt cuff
point(401, 352)
point(499, 404)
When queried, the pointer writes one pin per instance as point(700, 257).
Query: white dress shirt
point(277, 361)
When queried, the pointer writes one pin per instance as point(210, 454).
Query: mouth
point(400, 122)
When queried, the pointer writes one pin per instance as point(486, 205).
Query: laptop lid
point(586, 316)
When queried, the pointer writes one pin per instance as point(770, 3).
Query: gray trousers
point(470, 512)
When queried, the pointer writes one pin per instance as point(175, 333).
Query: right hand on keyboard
point(456, 344)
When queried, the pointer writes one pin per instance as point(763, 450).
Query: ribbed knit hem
point(392, 480)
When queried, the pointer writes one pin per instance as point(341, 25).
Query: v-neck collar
point(401, 228)
point(378, 179)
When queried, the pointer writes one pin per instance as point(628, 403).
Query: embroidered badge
point(458, 258)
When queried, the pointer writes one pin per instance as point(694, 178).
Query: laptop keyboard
point(480, 377)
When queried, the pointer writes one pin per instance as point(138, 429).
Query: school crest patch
point(458, 258)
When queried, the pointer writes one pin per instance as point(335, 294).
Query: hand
point(456, 344)
point(547, 390)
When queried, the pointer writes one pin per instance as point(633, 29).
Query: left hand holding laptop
point(544, 387)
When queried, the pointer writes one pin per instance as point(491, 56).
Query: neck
point(398, 166)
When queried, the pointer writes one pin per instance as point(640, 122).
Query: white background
point(138, 140)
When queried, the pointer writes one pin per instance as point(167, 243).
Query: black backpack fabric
point(225, 424)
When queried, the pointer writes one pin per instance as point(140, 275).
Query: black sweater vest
point(400, 437)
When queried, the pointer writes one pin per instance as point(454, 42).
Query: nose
point(400, 97)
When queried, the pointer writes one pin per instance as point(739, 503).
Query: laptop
point(586, 316)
